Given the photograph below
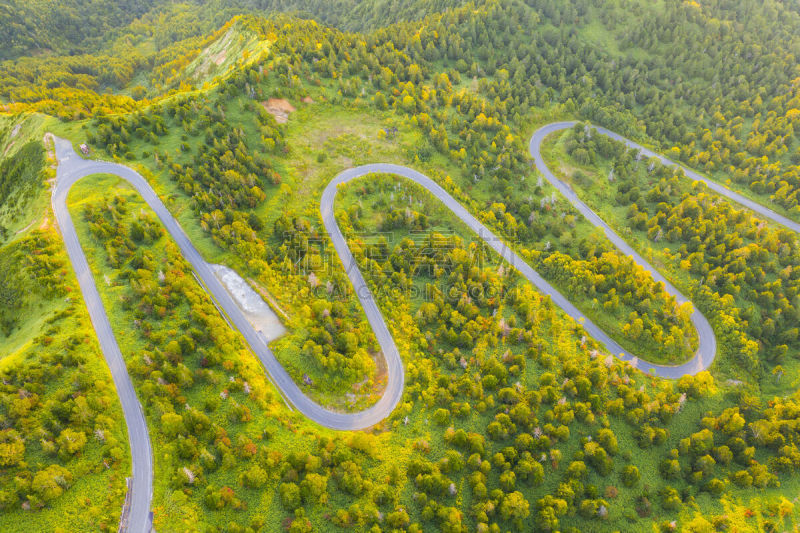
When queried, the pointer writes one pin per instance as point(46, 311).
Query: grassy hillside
point(63, 446)
point(258, 491)
point(64, 454)
point(511, 418)
point(23, 168)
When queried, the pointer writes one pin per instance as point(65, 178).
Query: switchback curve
point(72, 168)
point(140, 490)
point(544, 131)
point(707, 341)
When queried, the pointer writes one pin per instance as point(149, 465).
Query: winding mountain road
point(765, 212)
point(71, 168)
point(707, 341)
point(707, 345)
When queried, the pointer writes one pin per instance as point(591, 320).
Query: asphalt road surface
point(707, 341)
point(71, 168)
point(714, 186)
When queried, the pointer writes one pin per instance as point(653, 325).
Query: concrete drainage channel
point(255, 309)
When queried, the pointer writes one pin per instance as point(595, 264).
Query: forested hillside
point(512, 418)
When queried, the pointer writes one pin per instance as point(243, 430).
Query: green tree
point(51, 482)
point(172, 425)
point(255, 477)
point(71, 441)
point(290, 496)
point(514, 506)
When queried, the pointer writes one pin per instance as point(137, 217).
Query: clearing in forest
point(279, 108)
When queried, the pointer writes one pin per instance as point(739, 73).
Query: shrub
point(441, 417)
point(255, 477)
point(630, 475)
point(290, 496)
point(50, 483)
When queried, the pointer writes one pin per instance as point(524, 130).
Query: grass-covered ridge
point(23, 172)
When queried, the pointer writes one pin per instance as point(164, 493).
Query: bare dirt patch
point(8, 147)
point(49, 141)
point(279, 108)
point(567, 170)
point(43, 225)
point(308, 100)
point(370, 386)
